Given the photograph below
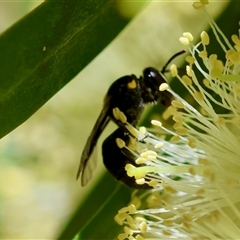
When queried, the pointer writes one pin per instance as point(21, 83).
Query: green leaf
point(94, 218)
point(42, 52)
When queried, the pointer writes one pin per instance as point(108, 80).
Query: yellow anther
point(131, 170)
point(140, 160)
point(139, 237)
point(143, 130)
point(153, 183)
point(235, 39)
point(198, 96)
point(206, 82)
point(128, 230)
point(122, 117)
point(184, 40)
point(189, 71)
point(177, 104)
point(118, 219)
point(120, 143)
point(132, 208)
point(221, 121)
point(159, 145)
point(132, 130)
point(143, 226)
point(122, 236)
point(156, 123)
point(177, 125)
point(163, 87)
point(200, 192)
point(178, 118)
point(175, 139)
point(190, 59)
point(203, 54)
point(139, 175)
point(116, 113)
point(205, 38)
point(188, 35)
point(140, 181)
point(192, 171)
point(203, 161)
point(174, 70)
point(187, 217)
point(187, 80)
point(191, 142)
point(182, 131)
point(200, 5)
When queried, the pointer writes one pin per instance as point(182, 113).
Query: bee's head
point(151, 81)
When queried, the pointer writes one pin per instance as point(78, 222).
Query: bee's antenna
point(174, 56)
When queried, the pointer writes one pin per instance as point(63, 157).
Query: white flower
point(195, 173)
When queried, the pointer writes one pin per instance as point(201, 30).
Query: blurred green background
point(39, 159)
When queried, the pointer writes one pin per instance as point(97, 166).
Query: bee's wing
point(87, 165)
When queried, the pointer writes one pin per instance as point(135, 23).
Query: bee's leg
point(115, 159)
point(121, 120)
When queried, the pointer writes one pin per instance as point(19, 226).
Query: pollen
point(163, 87)
point(132, 84)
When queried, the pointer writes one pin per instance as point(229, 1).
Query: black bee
point(129, 94)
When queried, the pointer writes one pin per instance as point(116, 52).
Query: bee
point(128, 95)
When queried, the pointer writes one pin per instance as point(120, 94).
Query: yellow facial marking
point(132, 84)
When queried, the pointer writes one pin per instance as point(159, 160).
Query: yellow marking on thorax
point(132, 84)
